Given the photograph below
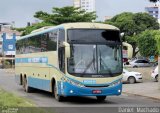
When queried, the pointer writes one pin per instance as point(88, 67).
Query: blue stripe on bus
point(39, 83)
point(64, 88)
point(32, 60)
point(94, 84)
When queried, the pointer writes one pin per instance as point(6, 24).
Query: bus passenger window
point(61, 59)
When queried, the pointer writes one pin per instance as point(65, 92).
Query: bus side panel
point(39, 83)
point(36, 71)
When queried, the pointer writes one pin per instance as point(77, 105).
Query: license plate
point(96, 91)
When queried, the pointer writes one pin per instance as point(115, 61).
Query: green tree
point(65, 15)
point(132, 24)
point(124, 22)
point(144, 21)
point(157, 37)
point(158, 43)
point(59, 16)
point(29, 29)
point(147, 42)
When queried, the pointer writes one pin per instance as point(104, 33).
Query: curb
point(153, 98)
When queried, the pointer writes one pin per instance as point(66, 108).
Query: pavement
point(148, 89)
point(11, 71)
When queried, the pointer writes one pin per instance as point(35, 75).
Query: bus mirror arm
point(67, 49)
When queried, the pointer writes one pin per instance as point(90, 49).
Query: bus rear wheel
point(101, 98)
point(156, 78)
point(56, 96)
point(26, 87)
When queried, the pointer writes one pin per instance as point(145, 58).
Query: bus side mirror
point(122, 35)
point(67, 49)
point(129, 49)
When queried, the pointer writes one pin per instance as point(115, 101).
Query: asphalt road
point(45, 99)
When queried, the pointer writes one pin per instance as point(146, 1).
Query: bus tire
point(156, 78)
point(56, 96)
point(21, 80)
point(101, 98)
point(26, 87)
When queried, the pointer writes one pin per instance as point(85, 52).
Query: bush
point(7, 64)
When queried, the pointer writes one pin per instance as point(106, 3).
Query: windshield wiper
point(104, 64)
point(89, 65)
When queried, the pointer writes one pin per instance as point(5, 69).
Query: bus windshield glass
point(93, 35)
point(95, 59)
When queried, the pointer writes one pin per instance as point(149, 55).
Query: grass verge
point(10, 103)
point(11, 100)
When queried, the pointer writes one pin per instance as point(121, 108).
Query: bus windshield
point(93, 35)
point(88, 60)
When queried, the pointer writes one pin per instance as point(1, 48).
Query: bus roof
point(79, 25)
point(88, 25)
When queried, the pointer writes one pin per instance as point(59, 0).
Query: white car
point(139, 63)
point(154, 74)
point(131, 77)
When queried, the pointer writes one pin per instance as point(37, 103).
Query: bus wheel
point(156, 78)
point(26, 87)
point(101, 98)
point(56, 96)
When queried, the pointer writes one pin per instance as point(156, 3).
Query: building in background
point(107, 18)
point(7, 28)
point(8, 38)
point(154, 11)
point(87, 5)
point(7, 46)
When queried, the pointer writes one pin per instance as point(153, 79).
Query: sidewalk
point(11, 71)
point(146, 89)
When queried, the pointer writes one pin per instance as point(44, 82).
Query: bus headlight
point(73, 82)
point(115, 83)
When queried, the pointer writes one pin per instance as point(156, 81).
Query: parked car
point(155, 64)
point(139, 63)
point(131, 77)
point(154, 74)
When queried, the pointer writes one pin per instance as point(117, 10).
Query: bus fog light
point(71, 91)
point(119, 91)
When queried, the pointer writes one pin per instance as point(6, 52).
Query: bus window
point(61, 52)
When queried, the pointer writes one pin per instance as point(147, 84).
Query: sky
point(22, 11)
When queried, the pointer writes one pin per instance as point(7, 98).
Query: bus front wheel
point(101, 98)
point(56, 96)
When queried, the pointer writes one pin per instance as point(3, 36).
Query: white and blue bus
point(73, 59)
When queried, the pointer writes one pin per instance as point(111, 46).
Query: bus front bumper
point(67, 89)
